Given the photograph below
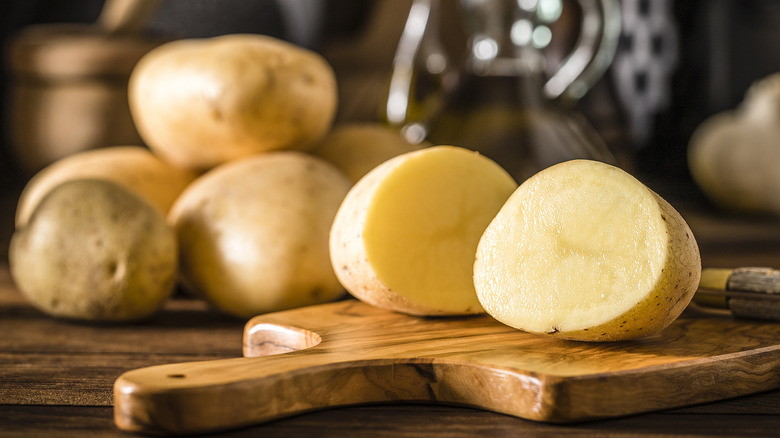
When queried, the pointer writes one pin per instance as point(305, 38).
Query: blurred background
point(675, 64)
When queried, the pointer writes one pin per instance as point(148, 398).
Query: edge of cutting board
point(348, 353)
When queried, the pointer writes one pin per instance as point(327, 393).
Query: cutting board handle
point(354, 354)
point(207, 396)
point(283, 373)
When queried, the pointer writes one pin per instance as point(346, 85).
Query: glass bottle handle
point(592, 53)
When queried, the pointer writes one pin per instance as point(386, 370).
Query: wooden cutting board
point(348, 353)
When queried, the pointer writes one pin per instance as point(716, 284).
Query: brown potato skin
point(133, 167)
point(254, 233)
point(348, 252)
point(349, 255)
point(357, 148)
point(202, 102)
point(95, 251)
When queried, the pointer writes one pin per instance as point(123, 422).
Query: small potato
point(254, 233)
point(95, 251)
point(405, 237)
point(356, 148)
point(584, 251)
point(133, 167)
point(202, 102)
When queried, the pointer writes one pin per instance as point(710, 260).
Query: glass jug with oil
point(503, 97)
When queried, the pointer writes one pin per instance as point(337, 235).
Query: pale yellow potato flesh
point(584, 251)
point(405, 237)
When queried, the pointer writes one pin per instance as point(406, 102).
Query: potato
point(95, 251)
point(356, 148)
point(405, 237)
point(133, 167)
point(733, 156)
point(584, 251)
point(202, 102)
point(254, 233)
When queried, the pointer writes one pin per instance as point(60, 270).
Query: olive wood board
point(348, 353)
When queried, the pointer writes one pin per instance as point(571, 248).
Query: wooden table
point(56, 377)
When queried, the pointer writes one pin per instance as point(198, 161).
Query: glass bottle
point(501, 101)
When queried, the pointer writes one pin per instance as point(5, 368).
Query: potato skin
point(733, 155)
point(95, 251)
point(133, 167)
point(357, 148)
point(348, 252)
point(254, 233)
point(201, 102)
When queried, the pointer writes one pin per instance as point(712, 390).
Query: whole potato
point(357, 148)
point(254, 233)
point(133, 167)
point(95, 251)
point(202, 102)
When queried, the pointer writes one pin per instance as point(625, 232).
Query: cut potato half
point(405, 237)
point(584, 251)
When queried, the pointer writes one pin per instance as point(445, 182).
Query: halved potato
point(405, 237)
point(584, 251)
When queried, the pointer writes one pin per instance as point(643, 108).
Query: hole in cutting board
point(267, 339)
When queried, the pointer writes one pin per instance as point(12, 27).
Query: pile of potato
point(250, 198)
point(230, 178)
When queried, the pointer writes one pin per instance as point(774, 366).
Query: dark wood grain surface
point(56, 377)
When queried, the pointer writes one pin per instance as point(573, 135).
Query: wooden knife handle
point(766, 280)
point(749, 292)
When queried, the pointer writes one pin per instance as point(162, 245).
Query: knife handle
point(749, 292)
point(764, 280)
